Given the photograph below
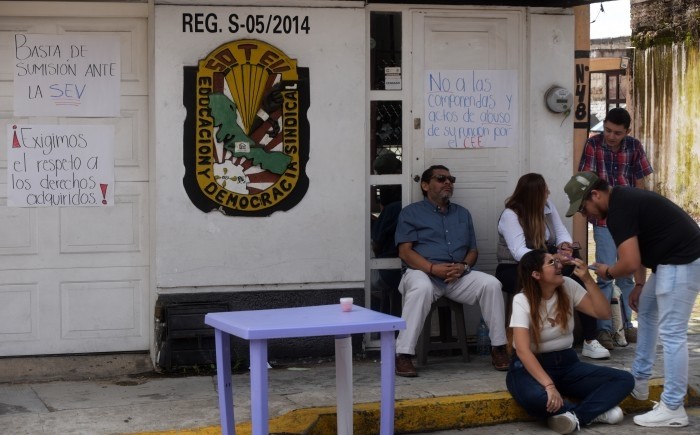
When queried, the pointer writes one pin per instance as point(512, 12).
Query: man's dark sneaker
point(499, 358)
point(631, 334)
point(404, 366)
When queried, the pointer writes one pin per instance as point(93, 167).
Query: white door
point(76, 279)
point(470, 40)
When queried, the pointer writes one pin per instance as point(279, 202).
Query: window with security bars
point(616, 91)
point(386, 158)
point(386, 137)
point(385, 47)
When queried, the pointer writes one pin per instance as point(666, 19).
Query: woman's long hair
point(528, 201)
point(531, 262)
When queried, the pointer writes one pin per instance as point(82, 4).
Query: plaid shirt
point(618, 168)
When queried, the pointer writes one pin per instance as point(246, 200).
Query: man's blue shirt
point(439, 238)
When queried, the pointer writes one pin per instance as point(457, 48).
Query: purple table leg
point(223, 378)
point(343, 382)
point(258, 386)
point(388, 351)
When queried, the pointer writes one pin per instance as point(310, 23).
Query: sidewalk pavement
point(103, 395)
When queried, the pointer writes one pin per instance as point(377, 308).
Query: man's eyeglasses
point(443, 178)
point(552, 262)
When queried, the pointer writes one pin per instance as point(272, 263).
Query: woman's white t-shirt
point(552, 337)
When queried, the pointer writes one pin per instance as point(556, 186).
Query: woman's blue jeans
point(665, 306)
point(588, 390)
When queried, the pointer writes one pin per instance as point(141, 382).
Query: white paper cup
point(346, 304)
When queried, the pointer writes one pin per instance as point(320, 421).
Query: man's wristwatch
point(467, 269)
point(608, 276)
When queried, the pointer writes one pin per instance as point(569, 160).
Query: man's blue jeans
point(596, 388)
point(665, 306)
point(606, 253)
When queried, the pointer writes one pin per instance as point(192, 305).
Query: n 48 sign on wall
point(246, 133)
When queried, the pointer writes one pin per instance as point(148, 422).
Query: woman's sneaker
point(641, 389)
point(663, 416)
point(563, 423)
point(611, 416)
point(594, 350)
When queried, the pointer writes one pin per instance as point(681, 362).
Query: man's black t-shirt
point(666, 233)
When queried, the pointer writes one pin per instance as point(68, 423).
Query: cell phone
point(592, 267)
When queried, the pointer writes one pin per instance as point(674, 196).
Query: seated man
point(437, 246)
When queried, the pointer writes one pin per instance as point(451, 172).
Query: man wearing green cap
point(650, 231)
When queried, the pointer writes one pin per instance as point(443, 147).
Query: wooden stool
point(426, 344)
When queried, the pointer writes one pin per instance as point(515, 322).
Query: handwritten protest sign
point(471, 109)
point(66, 75)
point(60, 165)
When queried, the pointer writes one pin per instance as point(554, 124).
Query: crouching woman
point(545, 368)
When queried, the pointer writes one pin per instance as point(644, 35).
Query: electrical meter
point(558, 99)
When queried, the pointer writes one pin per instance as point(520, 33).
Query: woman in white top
point(545, 368)
point(531, 221)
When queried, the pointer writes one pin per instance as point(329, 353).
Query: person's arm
point(628, 261)
point(456, 271)
point(471, 257)
point(640, 166)
point(593, 303)
point(413, 259)
point(445, 271)
point(560, 232)
point(513, 234)
point(588, 160)
point(521, 338)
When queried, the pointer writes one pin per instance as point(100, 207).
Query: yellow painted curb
point(419, 415)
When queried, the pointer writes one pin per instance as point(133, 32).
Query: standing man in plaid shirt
point(620, 160)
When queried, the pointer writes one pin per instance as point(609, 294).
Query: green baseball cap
point(578, 188)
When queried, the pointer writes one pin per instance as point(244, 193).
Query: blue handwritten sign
point(471, 108)
point(66, 75)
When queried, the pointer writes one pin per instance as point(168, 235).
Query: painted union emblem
point(246, 136)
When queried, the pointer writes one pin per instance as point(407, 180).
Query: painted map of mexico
point(245, 143)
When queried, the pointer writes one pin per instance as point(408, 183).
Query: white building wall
point(76, 279)
point(320, 241)
point(551, 135)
